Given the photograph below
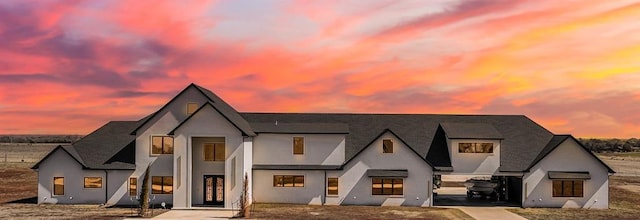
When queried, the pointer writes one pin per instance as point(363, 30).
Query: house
point(198, 150)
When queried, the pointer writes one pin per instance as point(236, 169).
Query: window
point(93, 182)
point(475, 148)
point(387, 146)
point(298, 145)
point(288, 181)
point(191, 108)
point(162, 185)
point(161, 145)
point(58, 186)
point(332, 186)
point(233, 172)
point(386, 186)
point(214, 152)
point(133, 186)
point(568, 188)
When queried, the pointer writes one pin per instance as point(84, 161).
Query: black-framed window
point(58, 186)
point(298, 145)
point(92, 182)
point(161, 145)
point(191, 108)
point(568, 188)
point(162, 184)
point(133, 186)
point(475, 147)
point(387, 146)
point(332, 186)
point(288, 181)
point(387, 186)
point(214, 151)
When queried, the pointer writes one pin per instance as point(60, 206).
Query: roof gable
point(378, 137)
point(208, 104)
point(220, 105)
point(67, 149)
point(556, 141)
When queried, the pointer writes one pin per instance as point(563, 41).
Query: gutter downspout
point(106, 187)
point(323, 196)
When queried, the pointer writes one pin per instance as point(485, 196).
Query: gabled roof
point(470, 131)
point(220, 105)
point(438, 153)
point(378, 137)
point(110, 147)
point(555, 142)
point(525, 138)
point(65, 148)
point(301, 128)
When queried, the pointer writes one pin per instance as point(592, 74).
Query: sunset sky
point(67, 67)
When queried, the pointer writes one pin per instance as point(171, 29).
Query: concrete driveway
point(490, 213)
point(196, 214)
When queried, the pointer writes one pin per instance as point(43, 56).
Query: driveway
point(490, 213)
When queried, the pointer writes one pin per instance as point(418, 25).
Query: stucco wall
point(354, 186)
point(569, 156)
point(325, 149)
point(60, 164)
point(474, 163)
point(189, 138)
point(311, 193)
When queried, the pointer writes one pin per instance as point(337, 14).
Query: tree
point(244, 199)
point(144, 195)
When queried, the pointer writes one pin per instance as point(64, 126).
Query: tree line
point(39, 138)
point(611, 145)
point(594, 144)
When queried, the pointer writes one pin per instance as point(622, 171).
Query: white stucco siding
point(311, 193)
point(60, 164)
point(319, 149)
point(568, 156)
point(354, 186)
point(118, 187)
point(474, 163)
point(189, 139)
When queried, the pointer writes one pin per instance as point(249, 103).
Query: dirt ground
point(290, 211)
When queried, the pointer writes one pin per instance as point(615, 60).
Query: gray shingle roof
point(301, 128)
point(101, 149)
point(470, 131)
point(523, 138)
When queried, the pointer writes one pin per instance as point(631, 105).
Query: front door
point(214, 190)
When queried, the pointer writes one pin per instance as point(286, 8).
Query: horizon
point(70, 67)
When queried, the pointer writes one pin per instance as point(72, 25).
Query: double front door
point(214, 190)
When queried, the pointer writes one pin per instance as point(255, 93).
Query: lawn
point(291, 211)
point(624, 203)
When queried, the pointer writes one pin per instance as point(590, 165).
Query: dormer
point(474, 148)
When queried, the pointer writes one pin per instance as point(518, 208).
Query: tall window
point(133, 186)
point(386, 186)
point(288, 181)
point(93, 182)
point(58, 186)
point(298, 145)
point(214, 152)
point(475, 147)
point(387, 146)
point(568, 188)
point(191, 108)
point(332, 186)
point(162, 185)
point(233, 172)
point(161, 145)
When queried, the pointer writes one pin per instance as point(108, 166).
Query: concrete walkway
point(490, 213)
point(196, 214)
